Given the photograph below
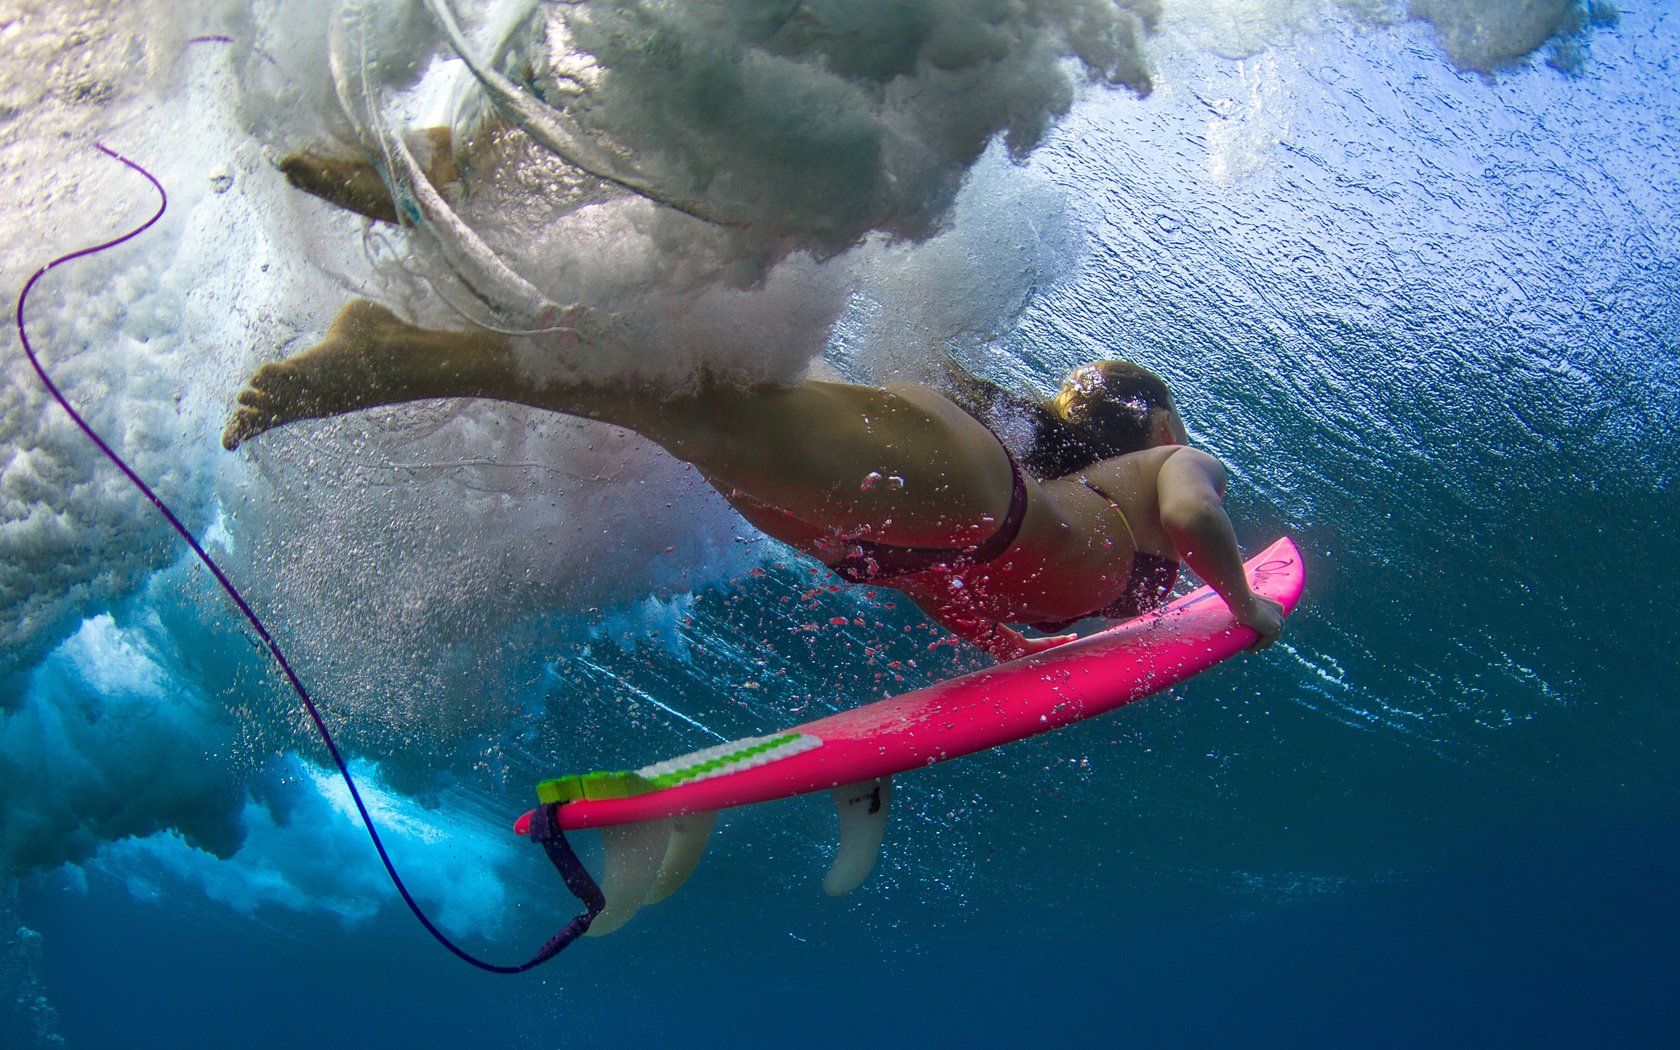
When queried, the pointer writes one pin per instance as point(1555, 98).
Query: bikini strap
point(1130, 535)
point(873, 562)
point(1009, 529)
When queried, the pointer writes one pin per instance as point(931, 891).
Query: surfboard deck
point(998, 705)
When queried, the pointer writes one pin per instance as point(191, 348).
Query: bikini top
point(1148, 584)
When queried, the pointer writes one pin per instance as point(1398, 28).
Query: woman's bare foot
point(347, 370)
point(353, 183)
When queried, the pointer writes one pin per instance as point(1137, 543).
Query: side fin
point(863, 826)
point(634, 855)
point(688, 841)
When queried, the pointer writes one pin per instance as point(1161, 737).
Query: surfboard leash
point(545, 828)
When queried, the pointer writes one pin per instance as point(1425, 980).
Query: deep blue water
point(1557, 933)
point(1430, 318)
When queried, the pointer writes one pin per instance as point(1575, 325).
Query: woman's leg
point(902, 466)
point(370, 358)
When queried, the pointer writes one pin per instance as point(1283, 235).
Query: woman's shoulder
point(923, 395)
point(1131, 467)
point(1184, 461)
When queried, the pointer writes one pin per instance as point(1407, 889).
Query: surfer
point(897, 485)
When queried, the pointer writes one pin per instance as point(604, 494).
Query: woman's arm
point(1191, 491)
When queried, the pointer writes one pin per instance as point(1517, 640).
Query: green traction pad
point(699, 765)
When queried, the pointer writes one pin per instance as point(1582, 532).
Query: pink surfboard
point(854, 752)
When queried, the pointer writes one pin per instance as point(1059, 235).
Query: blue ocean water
point(1430, 317)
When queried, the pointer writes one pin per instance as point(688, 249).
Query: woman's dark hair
point(1103, 410)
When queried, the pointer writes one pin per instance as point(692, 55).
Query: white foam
point(1486, 37)
point(317, 859)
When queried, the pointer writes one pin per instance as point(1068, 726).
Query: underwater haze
point(1412, 270)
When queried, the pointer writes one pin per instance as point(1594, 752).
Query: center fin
point(688, 841)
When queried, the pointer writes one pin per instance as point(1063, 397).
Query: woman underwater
point(896, 486)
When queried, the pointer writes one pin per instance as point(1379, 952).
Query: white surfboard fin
point(689, 834)
point(634, 854)
point(863, 826)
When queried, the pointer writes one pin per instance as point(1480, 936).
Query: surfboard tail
point(647, 861)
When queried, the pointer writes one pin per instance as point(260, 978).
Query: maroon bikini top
point(1148, 584)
